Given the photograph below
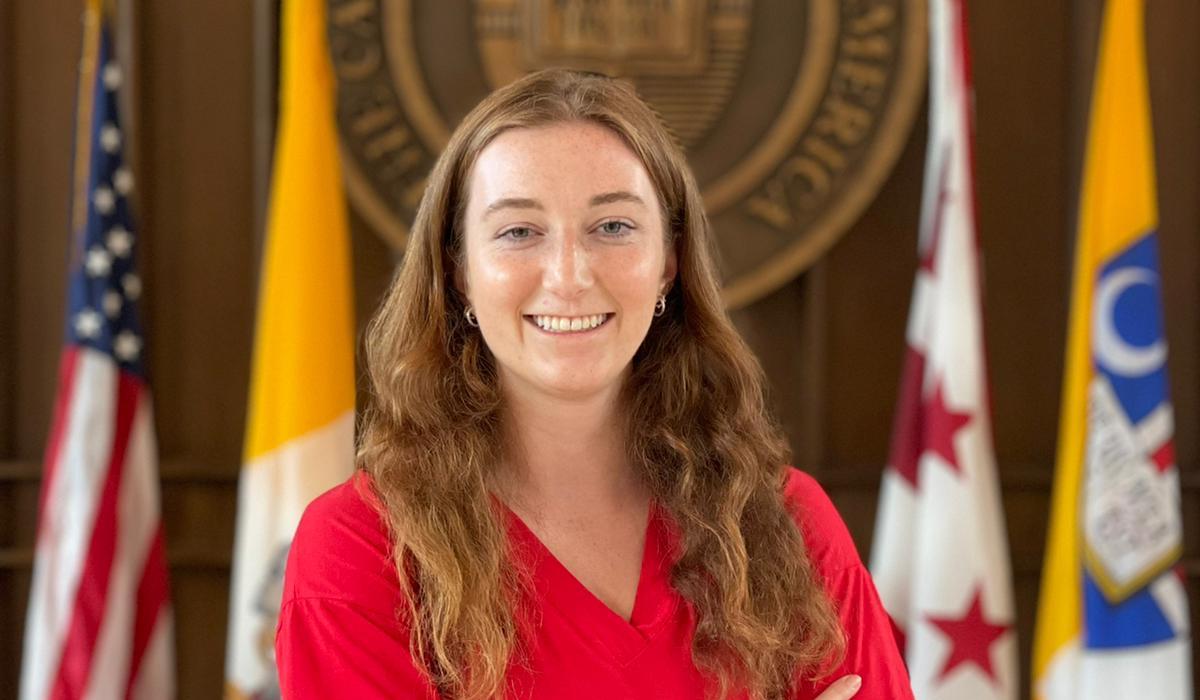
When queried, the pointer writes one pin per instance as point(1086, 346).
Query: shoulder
point(339, 633)
point(870, 642)
point(341, 549)
point(829, 543)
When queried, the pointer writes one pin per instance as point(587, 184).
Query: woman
point(569, 484)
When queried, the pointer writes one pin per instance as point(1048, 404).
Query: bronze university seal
point(791, 111)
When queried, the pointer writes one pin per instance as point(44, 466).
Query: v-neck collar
point(654, 602)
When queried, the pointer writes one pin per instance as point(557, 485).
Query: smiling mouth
point(568, 324)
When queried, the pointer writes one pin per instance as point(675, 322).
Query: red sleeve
point(870, 644)
point(338, 633)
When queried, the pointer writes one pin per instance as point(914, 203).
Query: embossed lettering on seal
point(791, 112)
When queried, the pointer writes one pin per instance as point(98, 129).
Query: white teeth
point(566, 324)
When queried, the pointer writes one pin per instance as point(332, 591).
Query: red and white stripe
point(99, 623)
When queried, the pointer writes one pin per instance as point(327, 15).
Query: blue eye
point(517, 233)
point(615, 228)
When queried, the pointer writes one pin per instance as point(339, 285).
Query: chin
point(579, 384)
point(577, 390)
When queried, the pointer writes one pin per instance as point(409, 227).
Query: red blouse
point(339, 635)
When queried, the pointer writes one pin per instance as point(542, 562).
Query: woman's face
point(565, 257)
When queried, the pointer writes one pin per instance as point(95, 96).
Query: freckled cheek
point(499, 287)
point(635, 275)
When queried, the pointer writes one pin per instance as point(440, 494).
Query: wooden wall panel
point(831, 341)
point(870, 273)
point(200, 265)
point(1174, 56)
point(197, 214)
point(39, 76)
point(7, 236)
point(46, 39)
point(1023, 214)
point(10, 607)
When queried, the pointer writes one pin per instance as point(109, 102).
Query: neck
point(567, 456)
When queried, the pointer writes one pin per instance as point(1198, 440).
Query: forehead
point(560, 162)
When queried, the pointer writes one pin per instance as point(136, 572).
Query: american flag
point(99, 620)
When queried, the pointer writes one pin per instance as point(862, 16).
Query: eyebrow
point(526, 203)
point(512, 203)
point(619, 196)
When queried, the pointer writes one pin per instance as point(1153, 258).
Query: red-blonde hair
point(697, 431)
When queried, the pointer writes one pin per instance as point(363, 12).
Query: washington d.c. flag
point(300, 427)
point(940, 554)
point(1113, 616)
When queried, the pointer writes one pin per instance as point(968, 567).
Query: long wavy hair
point(698, 432)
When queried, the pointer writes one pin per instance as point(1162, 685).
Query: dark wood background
point(831, 340)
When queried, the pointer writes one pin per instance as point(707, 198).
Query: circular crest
point(791, 112)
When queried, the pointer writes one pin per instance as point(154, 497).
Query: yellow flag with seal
point(300, 426)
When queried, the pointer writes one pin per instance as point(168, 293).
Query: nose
point(568, 271)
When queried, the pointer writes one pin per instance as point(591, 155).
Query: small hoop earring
point(469, 313)
point(660, 305)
